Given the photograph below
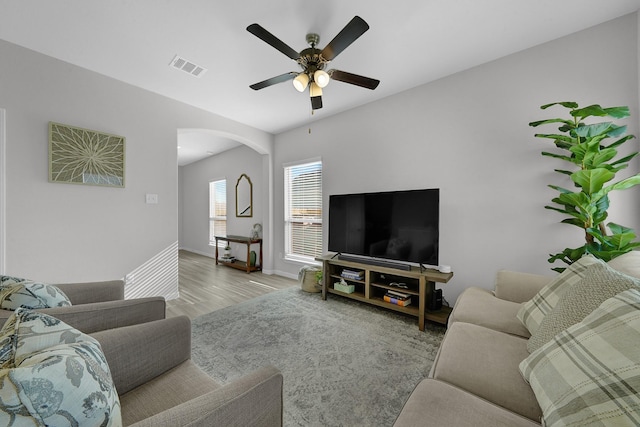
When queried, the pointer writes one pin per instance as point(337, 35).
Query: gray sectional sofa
point(475, 379)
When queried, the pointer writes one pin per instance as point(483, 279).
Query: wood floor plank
point(205, 286)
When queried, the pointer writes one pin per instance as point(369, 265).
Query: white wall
point(59, 232)
point(468, 135)
point(194, 197)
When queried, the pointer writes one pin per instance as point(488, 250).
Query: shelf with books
point(401, 300)
point(380, 302)
point(416, 284)
point(388, 287)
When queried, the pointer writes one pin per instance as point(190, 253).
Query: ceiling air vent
point(180, 63)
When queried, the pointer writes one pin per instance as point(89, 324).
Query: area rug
point(344, 363)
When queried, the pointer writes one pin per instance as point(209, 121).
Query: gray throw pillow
point(533, 311)
point(600, 283)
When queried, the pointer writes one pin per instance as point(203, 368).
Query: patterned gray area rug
point(344, 363)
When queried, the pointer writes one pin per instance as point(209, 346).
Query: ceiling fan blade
point(274, 80)
point(354, 79)
point(354, 29)
point(269, 38)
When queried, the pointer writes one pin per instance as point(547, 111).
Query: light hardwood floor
point(205, 286)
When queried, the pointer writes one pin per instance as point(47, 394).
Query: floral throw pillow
point(53, 375)
point(16, 292)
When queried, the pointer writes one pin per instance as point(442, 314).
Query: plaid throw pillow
point(589, 374)
point(533, 311)
point(599, 284)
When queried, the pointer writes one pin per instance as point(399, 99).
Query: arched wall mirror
point(244, 197)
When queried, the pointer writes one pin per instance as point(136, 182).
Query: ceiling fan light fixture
point(301, 81)
point(315, 90)
point(321, 78)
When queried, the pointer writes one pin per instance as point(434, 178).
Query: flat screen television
point(394, 225)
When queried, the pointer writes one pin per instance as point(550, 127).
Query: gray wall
point(194, 197)
point(60, 233)
point(468, 135)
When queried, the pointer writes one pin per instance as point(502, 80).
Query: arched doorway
point(201, 151)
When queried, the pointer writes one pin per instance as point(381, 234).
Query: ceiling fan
point(313, 61)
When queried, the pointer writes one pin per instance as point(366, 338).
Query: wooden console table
point(241, 265)
point(377, 280)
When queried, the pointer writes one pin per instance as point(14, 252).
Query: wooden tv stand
point(376, 282)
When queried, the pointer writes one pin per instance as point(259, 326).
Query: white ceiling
point(410, 42)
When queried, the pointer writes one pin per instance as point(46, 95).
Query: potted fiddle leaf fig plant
point(591, 150)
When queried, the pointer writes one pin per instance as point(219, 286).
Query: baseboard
point(213, 255)
point(284, 274)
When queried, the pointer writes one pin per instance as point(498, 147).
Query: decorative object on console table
point(256, 231)
point(227, 258)
point(241, 265)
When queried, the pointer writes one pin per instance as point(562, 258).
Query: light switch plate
point(152, 199)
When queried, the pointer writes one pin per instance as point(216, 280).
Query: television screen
point(396, 225)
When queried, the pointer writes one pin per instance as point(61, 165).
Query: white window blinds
point(217, 209)
point(303, 211)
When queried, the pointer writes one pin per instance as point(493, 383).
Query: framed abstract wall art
point(83, 156)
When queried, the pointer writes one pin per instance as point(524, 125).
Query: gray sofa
point(158, 384)
point(101, 305)
point(475, 379)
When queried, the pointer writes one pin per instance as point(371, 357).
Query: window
point(303, 211)
point(217, 210)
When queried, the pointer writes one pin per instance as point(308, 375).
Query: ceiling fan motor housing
point(311, 60)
